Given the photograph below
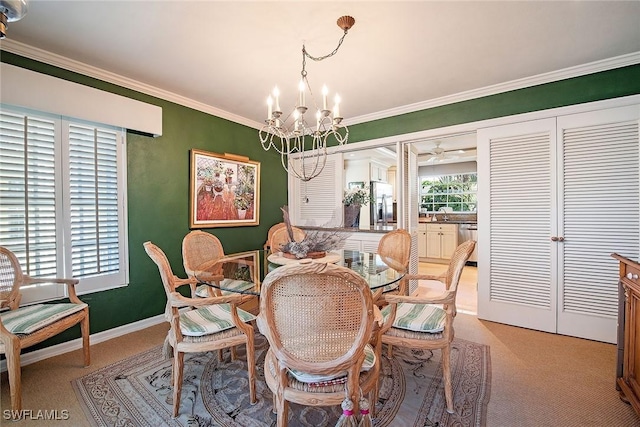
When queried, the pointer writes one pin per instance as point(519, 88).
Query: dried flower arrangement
point(316, 242)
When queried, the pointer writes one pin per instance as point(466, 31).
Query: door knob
point(554, 239)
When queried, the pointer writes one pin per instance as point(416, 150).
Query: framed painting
point(356, 185)
point(224, 190)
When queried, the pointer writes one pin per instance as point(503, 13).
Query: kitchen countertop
point(371, 229)
point(449, 222)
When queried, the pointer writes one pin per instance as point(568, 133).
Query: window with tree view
point(458, 192)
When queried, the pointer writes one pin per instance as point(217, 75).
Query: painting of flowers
point(224, 190)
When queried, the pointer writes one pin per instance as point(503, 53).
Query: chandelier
point(294, 134)
point(10, 11)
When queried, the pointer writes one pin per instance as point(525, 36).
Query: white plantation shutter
point(93, 192)
point(62, 182)
point(28, 198)
point(319, 200)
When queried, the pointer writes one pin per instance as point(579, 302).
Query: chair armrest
point(30, 280)
point(207, 276)
point(447, 297)
point(424, 277)
point(178, 300)
point(71, 285)
point(377, 316)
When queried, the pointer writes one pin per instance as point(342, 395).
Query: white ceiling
point(225, 57)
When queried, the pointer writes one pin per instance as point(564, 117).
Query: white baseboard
point(65, 347)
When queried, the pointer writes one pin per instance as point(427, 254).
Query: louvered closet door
point(516, 193)
point(319, 200)
point(598, 213)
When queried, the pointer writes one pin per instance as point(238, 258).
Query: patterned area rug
point(137, 392)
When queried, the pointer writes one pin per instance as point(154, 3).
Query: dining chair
point(318, 319)
point(425, 322)
point(22, 327)
point(203, 253)
point(272, 229)
point(281, 236)
point(394, 249)
point(208, 324)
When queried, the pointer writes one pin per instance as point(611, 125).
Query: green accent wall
point(614, 83)
point(158, 199)
point(158, 174)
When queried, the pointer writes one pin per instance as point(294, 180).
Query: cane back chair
point(318, 319)
point(215, 323)
point(418, 322)
point(22, 327)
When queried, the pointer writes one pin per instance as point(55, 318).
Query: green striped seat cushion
point(417, 317)
point(239, 285)
point(210, 319)
point(28, 319)
point(303, 377)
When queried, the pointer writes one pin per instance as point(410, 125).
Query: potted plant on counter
point(354, 199)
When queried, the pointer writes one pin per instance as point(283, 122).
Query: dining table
point(243, 272)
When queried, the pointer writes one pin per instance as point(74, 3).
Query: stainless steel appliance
point(382, 205)
point(469, 232)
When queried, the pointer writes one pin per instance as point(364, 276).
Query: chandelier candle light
point(307, 142)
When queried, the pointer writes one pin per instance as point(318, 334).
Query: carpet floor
point(136, 391)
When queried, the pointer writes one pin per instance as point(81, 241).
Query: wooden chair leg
point(282, 412)
point(446, 371)
point(84, 328)
point(234, 355)
point(12, 353)
point(251, 368)
point(178, 365)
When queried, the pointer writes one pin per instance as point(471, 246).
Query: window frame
point(63, 239)
point(448, 193)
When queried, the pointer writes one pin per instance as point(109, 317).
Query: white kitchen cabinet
point(378, 172)
point(442, 240)
point(422, 240)
point(547, 264)
point(364, 242)
point(391, 179)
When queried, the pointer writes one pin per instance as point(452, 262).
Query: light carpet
point(137, 391)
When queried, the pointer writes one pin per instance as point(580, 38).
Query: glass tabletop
point(244, 272)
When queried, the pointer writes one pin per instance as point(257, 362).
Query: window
point(62, 201)
point(458, 192)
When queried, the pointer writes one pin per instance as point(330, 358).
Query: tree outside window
point(458, 192)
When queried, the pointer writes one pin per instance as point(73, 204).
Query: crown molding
point(88, 70)
point(566, 73)
point(100, 74)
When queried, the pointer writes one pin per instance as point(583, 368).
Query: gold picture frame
point(224, 190)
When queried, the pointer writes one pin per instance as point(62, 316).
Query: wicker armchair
point(22, 327)
point(415, 322)
point(270, 233)
point(202, 251)
point(216, 324)
point(281, 236)
point(318, 319)
point(394, 249)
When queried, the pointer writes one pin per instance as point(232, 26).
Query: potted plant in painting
point(353, 200)
point(242, 204)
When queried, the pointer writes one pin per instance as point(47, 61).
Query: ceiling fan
point(439, 154)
